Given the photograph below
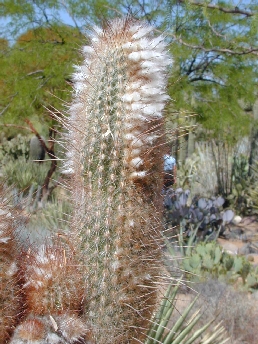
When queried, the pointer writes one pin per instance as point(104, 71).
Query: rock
point(229, 247)
point(255, 295)
point(245, 249)
point(250, 258)
point(236, 220)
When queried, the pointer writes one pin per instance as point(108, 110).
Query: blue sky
point(5, 32)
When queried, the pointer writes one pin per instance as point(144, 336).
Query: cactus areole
point(114, 139)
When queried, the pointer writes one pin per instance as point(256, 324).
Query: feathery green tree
point(214, 46)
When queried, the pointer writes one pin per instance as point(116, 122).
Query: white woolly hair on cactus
point(59, 329)
point(114, 153)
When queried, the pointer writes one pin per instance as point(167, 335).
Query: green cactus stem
point(115, 139)
point(37, 151)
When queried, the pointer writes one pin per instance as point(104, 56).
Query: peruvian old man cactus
point(114, 147)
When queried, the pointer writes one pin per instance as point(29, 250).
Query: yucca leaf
point(187, 330)
point(199, 332)
point(218, 330)
point(191, 240)
point(166, 315)
point(179, 323)
point(156, 321)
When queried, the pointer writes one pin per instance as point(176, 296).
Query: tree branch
point(235, 10)
point(200, 78)
point(51, 153)
point(36, 72)
point(253, 51)
point(42, 142)
point(15, 126)
point(4, 109)
point(7, 106)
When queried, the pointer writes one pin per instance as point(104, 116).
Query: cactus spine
point(53, 292)
point(10, 296)
point(114, 144)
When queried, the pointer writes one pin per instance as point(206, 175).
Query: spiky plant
point(182, 331)
point(114, 144)
point(60, 329)
point(52, 281)
point(53, 292)
point(10, 296)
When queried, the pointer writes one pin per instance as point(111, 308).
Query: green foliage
point(211, 76)
point(209, 260)
point(14, 148)
point(214, 51)
point(23, 173)
point(34, 69)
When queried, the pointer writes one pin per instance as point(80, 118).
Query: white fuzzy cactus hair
point(114, 142)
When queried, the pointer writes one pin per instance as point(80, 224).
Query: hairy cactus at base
point(53, 292)
point(53, 283)
point(64, 329)
point(115, 155)
point(10, 296)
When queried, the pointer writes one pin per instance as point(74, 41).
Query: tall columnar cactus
point(115, 140)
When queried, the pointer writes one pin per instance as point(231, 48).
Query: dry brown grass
point(237, 311)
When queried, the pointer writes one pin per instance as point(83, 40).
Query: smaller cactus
point(60, 329)
point(208, 214)
point(53, 291)
point(252, 280)
point(228, 261)
point(53, 282)
point(209, 259)
point(37, 151)
point(10, 295)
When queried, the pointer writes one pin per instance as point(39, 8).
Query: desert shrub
point(166, 328)
point(198, 173)
point(23, 173)
point(14, 148)
point(215, 168)
point(237, 311)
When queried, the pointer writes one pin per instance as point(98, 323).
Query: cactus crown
point(119, 95)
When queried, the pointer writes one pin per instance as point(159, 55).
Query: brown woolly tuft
point(53, 329)
point(53, 282)
point(11, 307)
